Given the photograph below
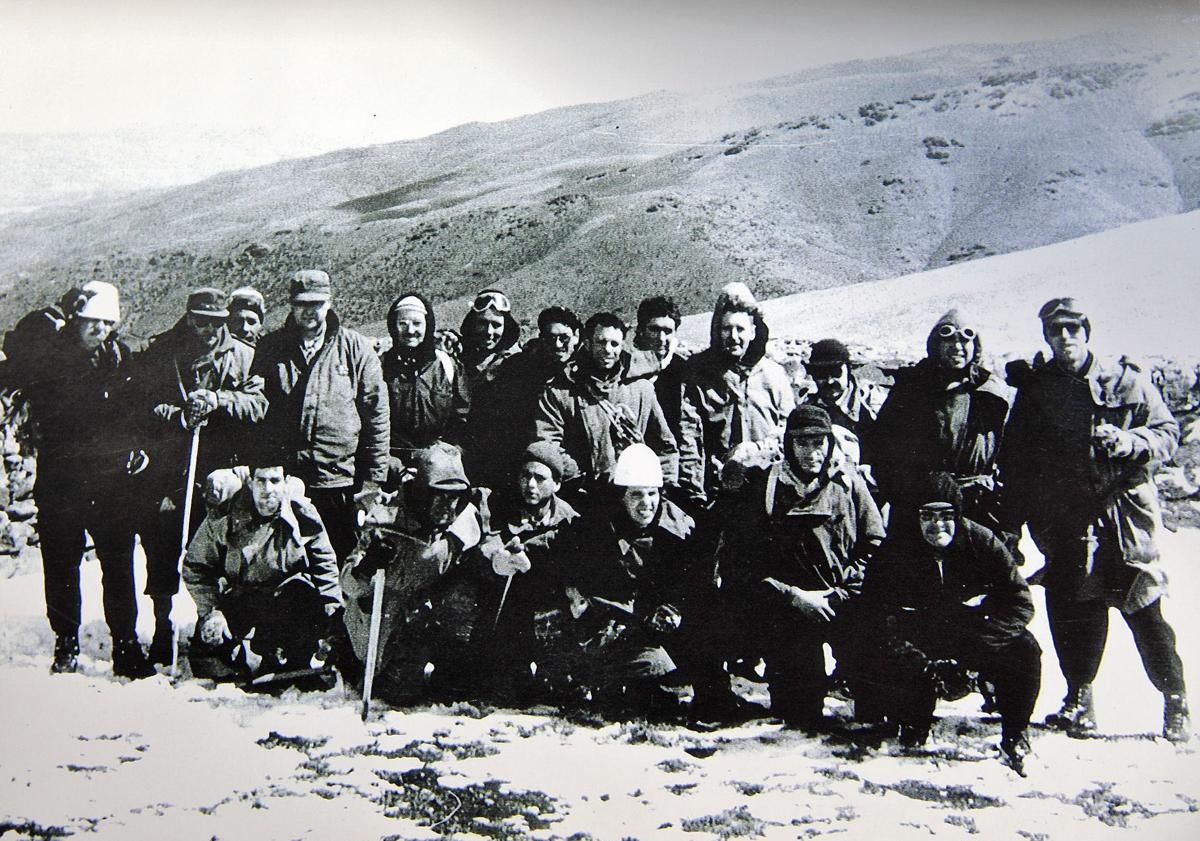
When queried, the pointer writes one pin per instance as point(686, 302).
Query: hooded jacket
point(427, 389)
point(332, 412)
point(481, 369)
point(592, 417)
point(165, 373)
point(924, 427)
point(728, 402)
point(1060, 484)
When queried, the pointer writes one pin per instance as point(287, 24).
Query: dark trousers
point(793, 651)
point(62, 519)
point(340, 516)
point(1080, 630)
point(161, 533)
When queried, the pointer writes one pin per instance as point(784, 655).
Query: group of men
point(586, 520)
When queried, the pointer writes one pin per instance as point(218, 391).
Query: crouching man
point(429, 545)
point(264, 578)
point(635, 575)
point(953, 603)
point(795, 543)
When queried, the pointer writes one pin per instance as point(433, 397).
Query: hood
point(738, 297)
point(426, 349)
point(509, 339)
point(955, 318)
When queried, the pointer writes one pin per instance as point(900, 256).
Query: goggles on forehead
point(949, 331)
point(491, 299)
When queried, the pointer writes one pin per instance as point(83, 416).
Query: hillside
point(854, 172)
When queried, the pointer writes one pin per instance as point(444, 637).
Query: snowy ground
point(92, 756)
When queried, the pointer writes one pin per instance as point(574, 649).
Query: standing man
point(194, 376)
point(247, 314)
point(793, 555)
point(656, 355)
point(328, 405)
point(594, 413)
point(1078, 465)
point(851, 405)
point(73, 390)
point(945, 414)
point(735, 398)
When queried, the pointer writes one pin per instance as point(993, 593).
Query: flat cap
point(207, 301)
point(310, 286)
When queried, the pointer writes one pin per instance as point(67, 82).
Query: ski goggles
point(491, 299)
point(949, 331)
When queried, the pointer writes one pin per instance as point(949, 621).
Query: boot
point(66, 655)
point(1176, 727)
point(914, 735)
point(164, 632)
point(1077, 715)
point(128, 660)
point(1014, 747)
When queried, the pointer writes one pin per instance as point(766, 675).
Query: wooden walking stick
point(373, 640)
point(188, 493)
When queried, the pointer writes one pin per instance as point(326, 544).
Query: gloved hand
point(215, 629)
point(950, 680)
point(1115, 442)
point(510, 559)
point(200, 404)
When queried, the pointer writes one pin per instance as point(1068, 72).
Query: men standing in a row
point(657, 356)
point(946, 413)
point(75, 390)
point(196, 389)
point(736, 399)
point(327, 404)
point(1078, 467)
point(594, 413)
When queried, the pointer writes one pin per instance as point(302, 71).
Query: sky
point(226, 83)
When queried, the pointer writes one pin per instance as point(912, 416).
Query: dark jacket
point(1060, 484)
point(482, 369)
point(577, 411)
point(856, 411)
point(904, 586)
point(814, 539)
point(332, 413)
point(427, 389)
point(236, 554)
point(922, 428)
point(168, 370)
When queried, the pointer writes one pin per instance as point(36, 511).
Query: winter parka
point(1058, 483)
point(593, 418)
point(236, 553)
point(332, 413)
point(727, 403)
point(427, 389)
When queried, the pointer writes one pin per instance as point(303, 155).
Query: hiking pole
point(503, 596)
point(373, 640)
point(188, 492)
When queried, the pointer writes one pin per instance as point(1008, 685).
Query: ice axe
point(373, 640)
point(188, 493)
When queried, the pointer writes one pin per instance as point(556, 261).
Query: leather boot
point(1014, 747)
point(1176, 726)
point(164, 632)
point(1077, 715)
point(66, 655)
point(128, 660)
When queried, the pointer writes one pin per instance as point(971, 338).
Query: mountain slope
point(860, 171)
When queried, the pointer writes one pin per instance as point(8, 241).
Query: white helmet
point(637, 467)
point(103, 302)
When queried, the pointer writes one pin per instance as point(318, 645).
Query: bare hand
point(215, 629)
point(814, 604)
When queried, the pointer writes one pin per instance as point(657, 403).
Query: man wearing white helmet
point(635, 581)
point(81, 483)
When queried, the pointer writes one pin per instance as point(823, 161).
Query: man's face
point(206, 328)
point(605, 347)
point(91, 332)
point(956, 351)
point(832, 381)
point(937, 526)
point(486, 330)
point(310, 315)
point(737, 332)
point(560, 340)
point(640, 504)
point(536, 484)
point(267, 487)
point(443, 508)
point(246, 325)
point(1068, 342)
point(410, 328)
point(808, 452)
point(657, 335)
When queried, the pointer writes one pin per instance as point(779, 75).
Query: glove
point(1115, 442)
point(215, 629)
point(510, 559)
